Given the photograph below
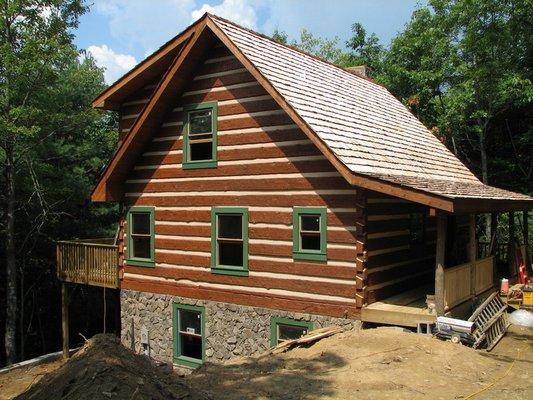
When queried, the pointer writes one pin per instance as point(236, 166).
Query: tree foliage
point(52, 149)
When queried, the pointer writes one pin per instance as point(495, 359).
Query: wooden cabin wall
point(132, 106)
point(393, 264)
point(265, 163)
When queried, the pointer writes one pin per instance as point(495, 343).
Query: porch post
point(525, 229)
point(493, 246)
point(510, 246)
point(472, 251)
point(440, 253)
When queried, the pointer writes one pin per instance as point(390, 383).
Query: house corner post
point(440, 253)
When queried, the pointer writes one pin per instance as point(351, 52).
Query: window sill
point(187, 362)
point(199, 164)
point(229, 271)
point(140, 263)
point(300, 255)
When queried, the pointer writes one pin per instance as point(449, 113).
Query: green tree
point(52, 147)
point(464, 68)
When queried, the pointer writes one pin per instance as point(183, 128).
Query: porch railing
point(88, 263)
point(501, 251)
point(465, 281)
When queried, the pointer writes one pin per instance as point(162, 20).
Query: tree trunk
point(484, 174)
point(11, 267)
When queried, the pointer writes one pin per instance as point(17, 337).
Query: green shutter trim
point(140, 262)
point(311, 255)
point(176, 356)
point(229, 269)
point(213, 105)
point(275, 321)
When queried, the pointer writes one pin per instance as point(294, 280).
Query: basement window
point(188, 326)
point(229, 241)
point(200, 136)
point(309, 234)
point(140, 237)
point(283, 329)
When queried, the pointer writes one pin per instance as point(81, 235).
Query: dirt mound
point(103, 369)
point(378, 363)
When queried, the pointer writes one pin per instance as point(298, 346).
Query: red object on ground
point(522, 271)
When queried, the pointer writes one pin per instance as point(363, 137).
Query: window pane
point(310, 223)
point(288, 332)
point(141, 247)
point(230, 254)
point(200, 121)
point(140, 223)
point(191, 346)
point(230, 226)
point(310, 242)
point(190, 321)
point(201, 151)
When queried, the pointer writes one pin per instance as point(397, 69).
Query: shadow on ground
point(268, 377)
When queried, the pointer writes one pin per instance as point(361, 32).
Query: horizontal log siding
point(131, 108)
point(390, 264)
point(266, 164)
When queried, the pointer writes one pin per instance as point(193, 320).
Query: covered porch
point(466, 271)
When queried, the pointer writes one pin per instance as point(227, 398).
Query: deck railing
point(88, 263)
point(465, 281)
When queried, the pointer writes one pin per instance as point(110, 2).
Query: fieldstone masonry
point(230, 330)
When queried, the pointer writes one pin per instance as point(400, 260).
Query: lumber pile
point(311, 337)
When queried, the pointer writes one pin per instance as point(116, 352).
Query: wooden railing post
point(440, 254)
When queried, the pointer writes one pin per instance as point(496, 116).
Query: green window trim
point(186, 164)
point(311, 255)
point(135, 261)
point(176, 357)
point(275, 321)
point(228, 269)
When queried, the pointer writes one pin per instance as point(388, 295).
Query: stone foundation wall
point(230, 330)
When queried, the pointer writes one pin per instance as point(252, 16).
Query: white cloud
point(143, 26)
point(115, 64)
point(238, 11)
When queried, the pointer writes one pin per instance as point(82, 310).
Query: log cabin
point(266, 192)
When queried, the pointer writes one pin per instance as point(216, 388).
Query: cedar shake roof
point(365, 129)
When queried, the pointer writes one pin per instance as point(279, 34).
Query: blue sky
point(121, 33)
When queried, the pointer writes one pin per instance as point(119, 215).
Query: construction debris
point(104, 369)
point(311, 337)
point(491, 322)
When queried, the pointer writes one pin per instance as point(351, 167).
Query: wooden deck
point(88, 262)
point(405, 309)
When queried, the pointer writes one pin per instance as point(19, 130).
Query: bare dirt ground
point(370, 364)
point(102, 369)
point(377, 364)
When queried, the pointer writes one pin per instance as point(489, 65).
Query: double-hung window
point(309, 234)
point(200, 136)
point(140, 237)
point(188, 334)
point(283, 329)
point(229, 241)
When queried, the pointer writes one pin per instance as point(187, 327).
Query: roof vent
point(360, 70)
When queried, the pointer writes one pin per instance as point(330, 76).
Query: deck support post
point(511, 246)
point(64, 318)
point(440, 254)
point(472, 251)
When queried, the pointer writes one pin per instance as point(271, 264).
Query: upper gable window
point(200, 136)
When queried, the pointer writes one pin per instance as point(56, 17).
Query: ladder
point(491, 322)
